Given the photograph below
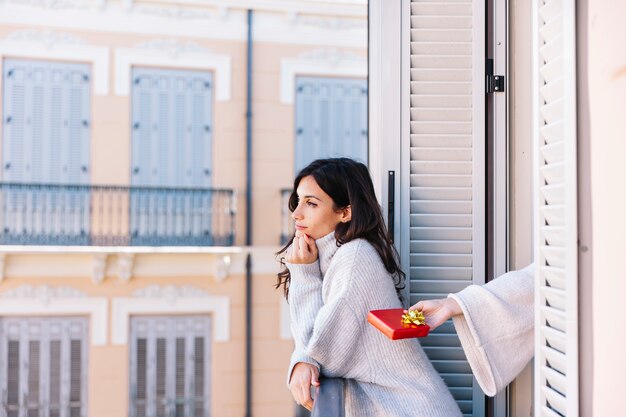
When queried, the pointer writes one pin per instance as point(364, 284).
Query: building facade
point(123, 280)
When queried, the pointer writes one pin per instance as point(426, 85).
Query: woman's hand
point(303, 250)
point(303, 376)
point(437, 312)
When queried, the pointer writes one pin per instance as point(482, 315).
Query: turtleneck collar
point(326, 248)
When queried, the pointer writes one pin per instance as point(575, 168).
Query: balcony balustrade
point(106, 215)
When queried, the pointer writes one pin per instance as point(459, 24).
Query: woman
point(340, 265)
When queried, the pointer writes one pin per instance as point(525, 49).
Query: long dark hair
point(348, 183)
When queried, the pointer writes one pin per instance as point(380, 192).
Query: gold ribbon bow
point(413, 317)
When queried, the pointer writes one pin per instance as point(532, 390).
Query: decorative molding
point(46, 37)
point(324, 62)
point(54, 301)
point(55, 4)
point(170, 293)
point(173, 47)
point(59, 46)
point(222, 267)
point(333, 57)
point(99, 262)
point(173, 12)
point(170, 300)
point(43, 293)
point(99, 267)
point(125, 263)
point(2, 260)
point(287, 23)
point(172, 53)
point(328, 23)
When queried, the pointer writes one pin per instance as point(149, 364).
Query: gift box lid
point(390, 323)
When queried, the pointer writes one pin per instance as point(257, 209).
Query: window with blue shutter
point(169, 360)
point(331, 119)
point(43, 366)
point(171, 147)
point(46, 131)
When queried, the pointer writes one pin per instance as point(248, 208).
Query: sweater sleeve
point(306, 284)
point(496, 328)
point(326, 329)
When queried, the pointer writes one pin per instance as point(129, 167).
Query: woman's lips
point(298, 227)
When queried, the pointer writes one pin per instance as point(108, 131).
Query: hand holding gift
point(437, 312)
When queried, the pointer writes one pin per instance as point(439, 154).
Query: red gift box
point(390, 323)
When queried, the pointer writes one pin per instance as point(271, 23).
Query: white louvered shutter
point(43, 366)
point(556, 276)
point(170, 372)
point(447, 168)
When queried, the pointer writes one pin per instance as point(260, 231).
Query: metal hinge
point(493, 83)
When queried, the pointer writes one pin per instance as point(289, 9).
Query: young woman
point(339, 266)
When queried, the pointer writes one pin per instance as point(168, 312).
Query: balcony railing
point(287, 225)
point(330, 399)
point(103, 215)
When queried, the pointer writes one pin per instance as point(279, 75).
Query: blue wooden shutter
point(172, 128)
point(47, 122)
point(46, 140)
point(172, 145)
point(331, 119)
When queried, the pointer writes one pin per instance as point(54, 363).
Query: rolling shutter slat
point(444, 197)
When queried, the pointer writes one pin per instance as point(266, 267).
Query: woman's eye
point(310, 204)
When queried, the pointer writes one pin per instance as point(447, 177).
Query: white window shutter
point(169, 358)
point(447, 168)
point(43, 361)
point(556, 351)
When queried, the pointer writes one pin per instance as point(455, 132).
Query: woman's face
point(315, 215)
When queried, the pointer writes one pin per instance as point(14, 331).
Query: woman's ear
point(346, 214)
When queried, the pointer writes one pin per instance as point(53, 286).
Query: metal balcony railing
point(287, 225)
point(330, 398)
point(104, 215)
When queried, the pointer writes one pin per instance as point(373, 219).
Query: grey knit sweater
point(329, 301)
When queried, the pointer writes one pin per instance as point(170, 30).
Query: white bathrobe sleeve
point(496, 328)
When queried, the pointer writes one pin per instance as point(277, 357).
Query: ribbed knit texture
point(329, 301)
point(497, 327)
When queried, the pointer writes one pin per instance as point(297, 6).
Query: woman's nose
point(296, 213)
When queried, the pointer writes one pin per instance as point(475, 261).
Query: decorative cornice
point(99, 267)
point(171, 293)
point(331, 23)
point(173, 47)
point(47, 38)
point(173, 12)
point(43, 293)
point(55, 4)
point(333, 56)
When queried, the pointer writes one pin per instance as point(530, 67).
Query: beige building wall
point(603, 66)
point(108, 364)
point(319, 43)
